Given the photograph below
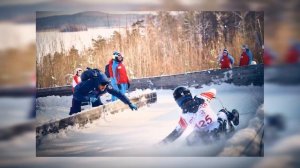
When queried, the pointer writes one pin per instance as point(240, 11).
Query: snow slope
point(136, 133)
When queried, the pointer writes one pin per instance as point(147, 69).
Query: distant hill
point(42, 14)
point(88, 19)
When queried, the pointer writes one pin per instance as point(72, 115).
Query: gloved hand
point(133, 107)
point(93, 99)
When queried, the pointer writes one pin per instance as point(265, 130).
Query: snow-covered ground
point(21, 150)
point(136, 133)
point(52, 108)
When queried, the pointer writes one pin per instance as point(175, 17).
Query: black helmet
point(105, 82)
point(181, 95)
point(102, 79)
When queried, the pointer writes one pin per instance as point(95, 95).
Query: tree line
point(163, 44)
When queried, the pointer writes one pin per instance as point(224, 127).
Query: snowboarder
point(118, 74)
point(196, 112)
point(246, 56)
point(94, 84)
point(76, 78)
point(226, 60)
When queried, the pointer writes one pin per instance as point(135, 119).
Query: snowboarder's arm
point(176, 133)
point(118, 94)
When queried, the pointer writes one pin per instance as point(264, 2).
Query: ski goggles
point(180, 101)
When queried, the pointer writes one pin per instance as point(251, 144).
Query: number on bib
point(204, 123)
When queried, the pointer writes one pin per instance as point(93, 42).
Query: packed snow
point(23, 147)
point(136, 133)
point(52, 108)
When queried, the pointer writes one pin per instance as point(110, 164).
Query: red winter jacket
point(292, 56)
point(244, 60)
point(121, 73)
point(76, 81)
point(110, 68)
point(225, 62)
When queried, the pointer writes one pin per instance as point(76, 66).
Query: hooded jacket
point(89, 88)
point(119, 73)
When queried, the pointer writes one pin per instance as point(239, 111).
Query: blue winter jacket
point(249, 53)
point(89, 88)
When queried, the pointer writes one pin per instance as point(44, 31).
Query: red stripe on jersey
point(182, 123)
point(208, 95)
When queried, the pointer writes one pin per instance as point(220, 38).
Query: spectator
point(76, 78)
point(246, 56)
point(116, 71)
point(121, 75)
point(226, 60)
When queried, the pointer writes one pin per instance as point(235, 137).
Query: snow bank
point(52, 108)
point(247, 141)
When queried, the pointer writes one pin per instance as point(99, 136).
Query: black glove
point(132, 107)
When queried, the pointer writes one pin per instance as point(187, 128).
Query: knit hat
point(244, 46)
point(225, 51)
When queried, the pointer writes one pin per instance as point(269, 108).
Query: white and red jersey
point(205, 119)
point(76, 81)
